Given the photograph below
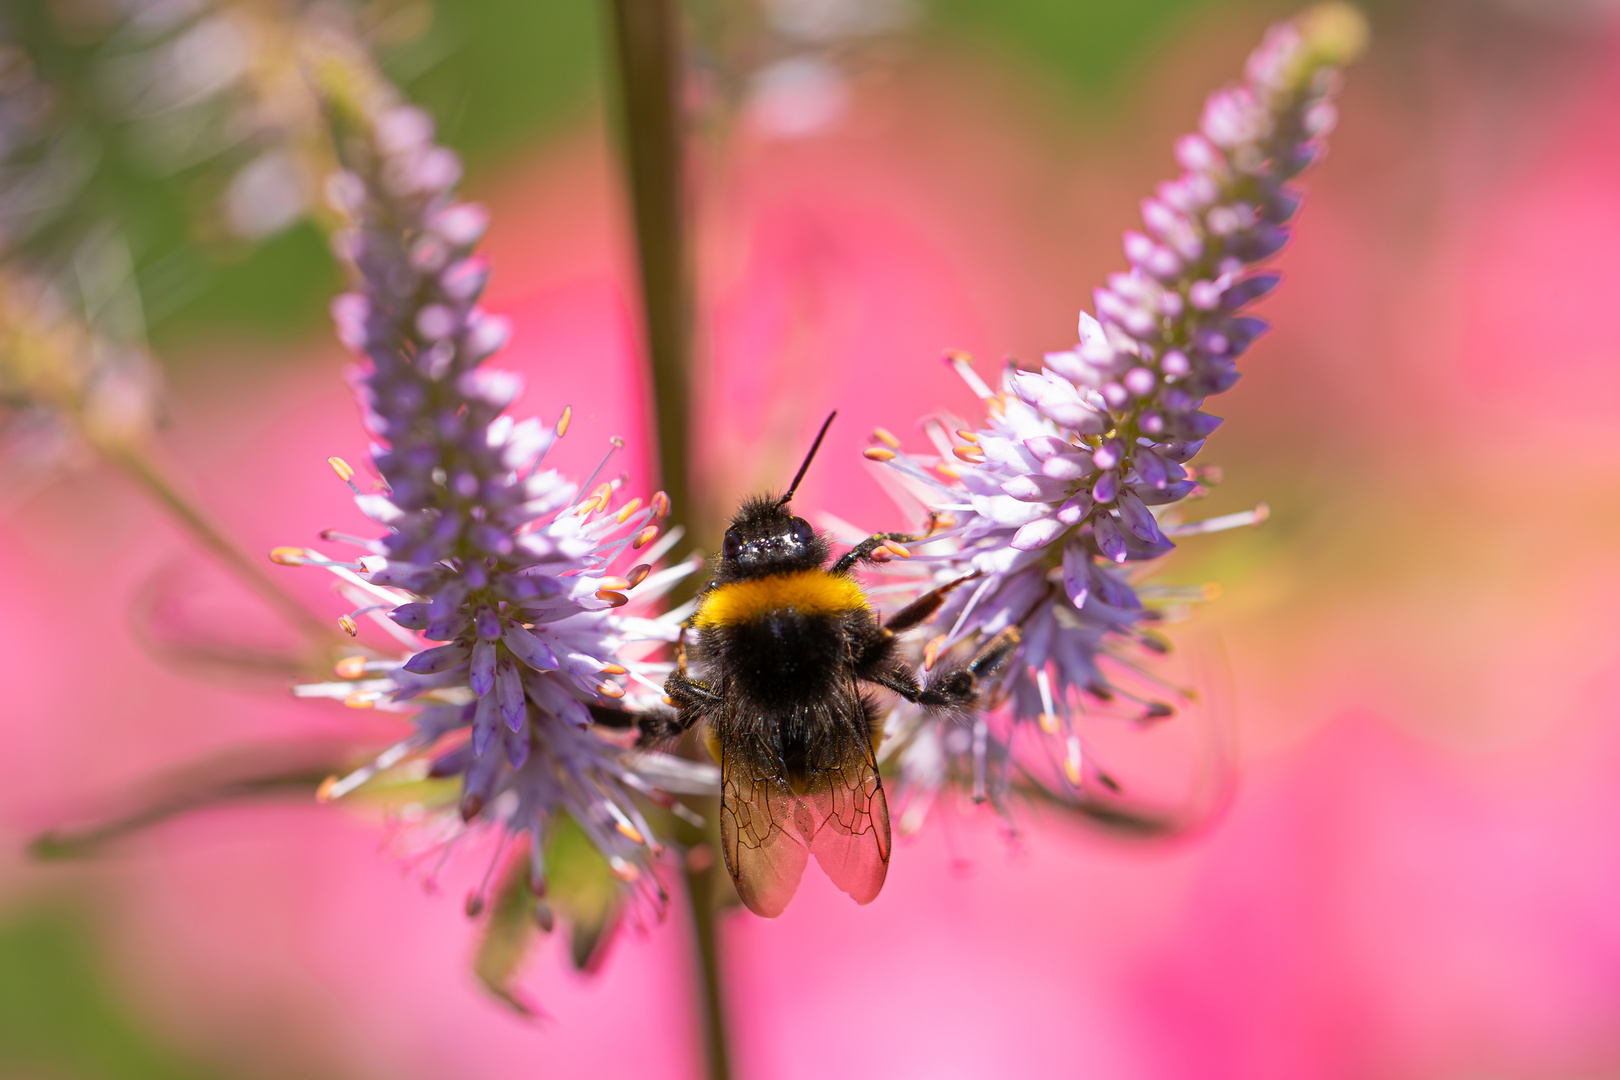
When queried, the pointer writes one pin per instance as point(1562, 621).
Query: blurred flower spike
point(509, 587)
point(1077, 470)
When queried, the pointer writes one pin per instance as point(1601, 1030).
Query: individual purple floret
point(503, 568)
point(1075, 470)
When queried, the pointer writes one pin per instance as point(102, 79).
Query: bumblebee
point(782, 646)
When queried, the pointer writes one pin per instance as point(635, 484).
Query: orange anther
point(361, 699)
point(608, 689)
point(616, 599)
point(644, 537)
point(564, 420)
point(614, 669)
point(628, 509)
point(638, 574)
point(877, 453)
point(630, 832)
point(351, 667)
point(884, 435)
point(350, 627)
point(287, 556)
point(344, 470)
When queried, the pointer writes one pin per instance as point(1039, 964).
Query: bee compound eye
point(803, 534)
point(731, 546)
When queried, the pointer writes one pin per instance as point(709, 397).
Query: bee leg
point(923, 608)
point(691, 699)
point(862, 552)
point(954, 687)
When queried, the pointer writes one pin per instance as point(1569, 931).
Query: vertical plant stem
point(213, 538)
point(700, 893)
point(647, 46)
point(647, 43)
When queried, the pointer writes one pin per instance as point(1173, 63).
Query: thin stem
point(212, 537)
point(700, 892)
point(647, 44)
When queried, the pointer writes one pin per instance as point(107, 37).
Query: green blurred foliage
point(1093, 46)
point(57, 1016)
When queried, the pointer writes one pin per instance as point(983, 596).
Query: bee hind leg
point(921, 609)
point(954, 687)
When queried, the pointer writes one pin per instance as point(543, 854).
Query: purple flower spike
point(482, 541)
point(1104, 429)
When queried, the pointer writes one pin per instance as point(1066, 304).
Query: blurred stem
point(647, 46)
point(207, 532)
point(700, 893)
point(647, 43)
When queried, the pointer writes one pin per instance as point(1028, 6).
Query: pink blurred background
point(1419, 875)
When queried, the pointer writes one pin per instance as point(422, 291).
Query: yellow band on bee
point(806, 592)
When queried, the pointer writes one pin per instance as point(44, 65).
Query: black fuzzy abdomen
point(784, 656)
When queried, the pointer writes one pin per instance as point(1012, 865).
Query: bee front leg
point(691, 700)
point(862, 552)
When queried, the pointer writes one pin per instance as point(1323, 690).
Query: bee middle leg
point(952, 688)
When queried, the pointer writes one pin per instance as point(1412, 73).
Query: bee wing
point(762, 827)
point(849, 816)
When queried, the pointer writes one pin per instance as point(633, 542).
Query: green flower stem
point(647, 43)
point(138, 465)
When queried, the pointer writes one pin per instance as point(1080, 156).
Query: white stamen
point(1220, 524)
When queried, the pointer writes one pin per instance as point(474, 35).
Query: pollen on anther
point(877, 453)
point(931, 652)
point(660, 505)
point(564, 420)
point(287, 556)
point(616, 599)
point(348, 624)
point(623, 868)
point(627, 509)
point(638, 574)
point(629, 832)
point(970, 454)
point(324, 792)
point(344, 470)
point(611, 690)
point(350, 667)
point(969, 435)
point(884, 435)
point(897, 549)
point(361, 699)
point(614, 669)
point(644, 537)
point(614, 584)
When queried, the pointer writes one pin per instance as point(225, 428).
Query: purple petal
point(1069, 466)
point(1137, 518)
point(1075, 509)
point(482, 676)
point(1038, 533)
point(509, 692)
point(1076, 574)
point(529, 649)
point(1110, 541)
point(517, 747)
point(1046, 446)
point(487, 622)
point(443, 658)
point(1106, 487)
point(484, 725)
point(1035, 488)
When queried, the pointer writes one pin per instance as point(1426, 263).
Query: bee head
point(765, 538)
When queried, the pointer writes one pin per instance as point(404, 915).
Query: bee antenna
point(808, 458)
